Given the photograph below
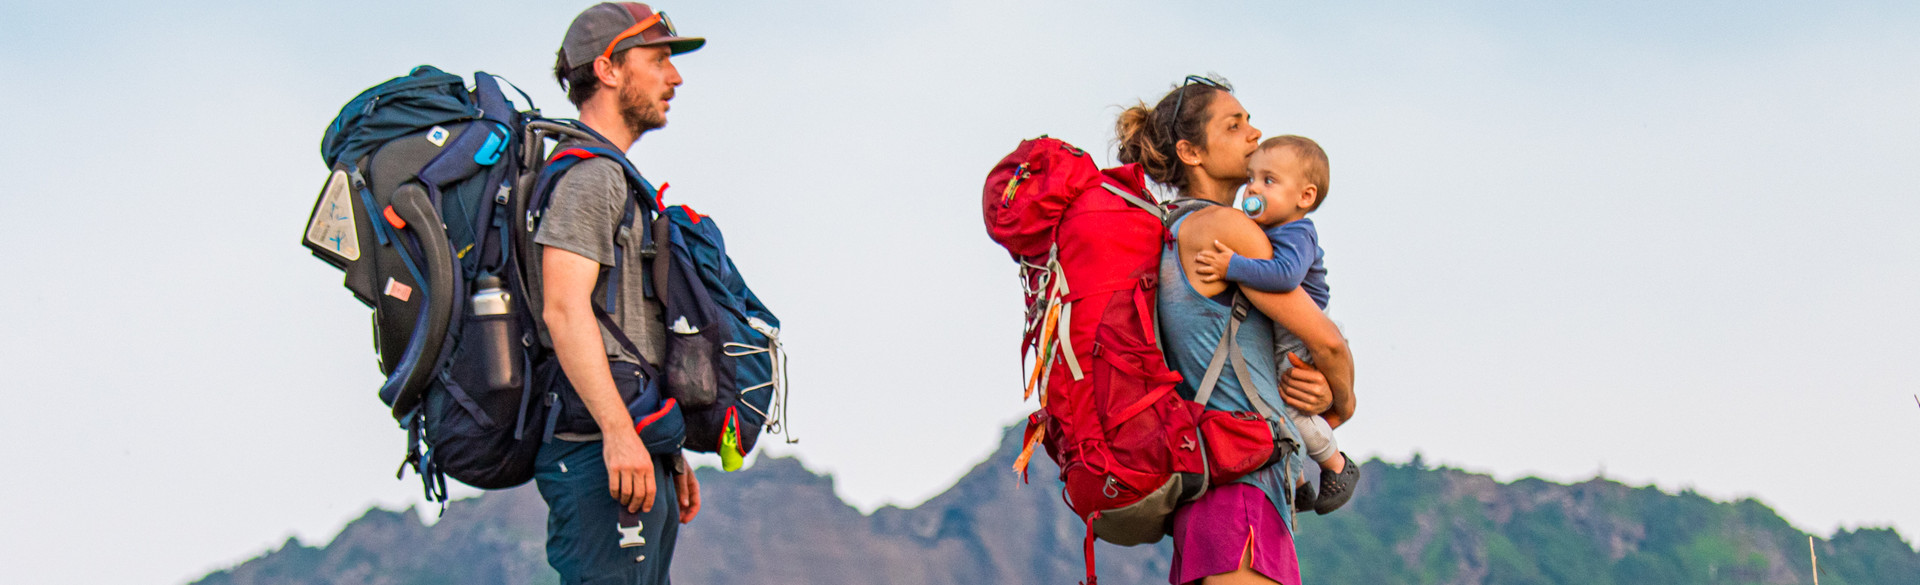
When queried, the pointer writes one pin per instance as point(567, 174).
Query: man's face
point(647, 79)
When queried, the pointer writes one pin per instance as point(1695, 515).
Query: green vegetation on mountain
point(776, 522)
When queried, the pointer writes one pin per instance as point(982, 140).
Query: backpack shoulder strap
point(1179, 208)
point(1229, 350)
point(1137, 201)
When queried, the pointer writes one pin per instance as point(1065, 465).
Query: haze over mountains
point(777, 522)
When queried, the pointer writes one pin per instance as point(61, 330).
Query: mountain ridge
point(1408, 524)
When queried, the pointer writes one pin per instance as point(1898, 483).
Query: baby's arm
point(1294, 250)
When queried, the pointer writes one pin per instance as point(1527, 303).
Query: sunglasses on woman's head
point(1173, 128)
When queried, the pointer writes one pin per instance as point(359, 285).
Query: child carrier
point(422, 171)
point(1129, 446)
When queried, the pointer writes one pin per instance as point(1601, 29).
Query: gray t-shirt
point(583, 217)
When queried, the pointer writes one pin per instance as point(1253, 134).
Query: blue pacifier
point(1253, 205)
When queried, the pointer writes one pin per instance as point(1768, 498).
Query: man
point(614, 64)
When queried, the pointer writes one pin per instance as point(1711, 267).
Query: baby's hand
point(1213, 263)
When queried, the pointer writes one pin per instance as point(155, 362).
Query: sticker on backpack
point(438, 136)
point(332, 227)
point(399, 290)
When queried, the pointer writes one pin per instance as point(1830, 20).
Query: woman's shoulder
point(1220, 222)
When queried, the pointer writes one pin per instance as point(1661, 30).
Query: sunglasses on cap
point(1173, 127)
point(658, 18)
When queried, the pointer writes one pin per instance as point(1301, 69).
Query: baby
point(1287, 179)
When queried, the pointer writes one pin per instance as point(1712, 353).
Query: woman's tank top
point(1190, 327)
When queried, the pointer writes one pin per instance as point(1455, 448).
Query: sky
point(1667, 245)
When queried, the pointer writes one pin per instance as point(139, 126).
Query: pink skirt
point(1210, 534)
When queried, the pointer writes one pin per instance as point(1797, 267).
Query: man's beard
point(639, 113)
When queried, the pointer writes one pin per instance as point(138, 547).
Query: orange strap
point(631, 30)
point(394, 218)
point(1026, 454)
point(1043, 349)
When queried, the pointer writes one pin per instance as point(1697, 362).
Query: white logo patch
point(332, 226)
point(438, 136)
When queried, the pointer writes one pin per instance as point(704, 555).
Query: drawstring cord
point(776, 416)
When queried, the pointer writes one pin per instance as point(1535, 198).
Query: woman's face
point(1231, 138)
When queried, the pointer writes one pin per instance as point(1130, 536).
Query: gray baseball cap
point(611, 27)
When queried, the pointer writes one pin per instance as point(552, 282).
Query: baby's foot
point(1336, 488)
point(1303, 497)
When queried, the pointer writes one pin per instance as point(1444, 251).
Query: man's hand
point(1211, 265)
point(629, 470)
point(688, 487)
point(1305, 388)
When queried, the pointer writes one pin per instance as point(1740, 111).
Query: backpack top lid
point(400, 106)
point(1028, 191)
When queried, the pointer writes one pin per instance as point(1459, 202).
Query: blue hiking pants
point(583, 534)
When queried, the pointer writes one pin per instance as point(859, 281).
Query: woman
point(1196, 141)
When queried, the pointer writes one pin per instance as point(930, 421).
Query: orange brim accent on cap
point(631, 30)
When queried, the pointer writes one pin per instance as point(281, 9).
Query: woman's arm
point(1299, 314)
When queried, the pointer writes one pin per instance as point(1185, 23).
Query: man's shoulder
point(597, 166)
point(596, 177)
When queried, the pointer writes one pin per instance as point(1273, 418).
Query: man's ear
point(606, 71)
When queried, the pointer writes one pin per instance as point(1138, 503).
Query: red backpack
point(1129, 447)
point(1088, 242)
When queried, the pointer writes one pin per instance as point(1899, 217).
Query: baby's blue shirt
point(1297, 263)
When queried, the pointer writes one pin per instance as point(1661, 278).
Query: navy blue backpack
point(725, 364)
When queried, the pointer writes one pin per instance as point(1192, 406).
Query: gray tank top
point(1190, 327)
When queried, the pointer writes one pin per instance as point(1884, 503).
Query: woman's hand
point(1305, 388)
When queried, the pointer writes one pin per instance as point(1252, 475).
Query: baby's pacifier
point(1253, 205)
